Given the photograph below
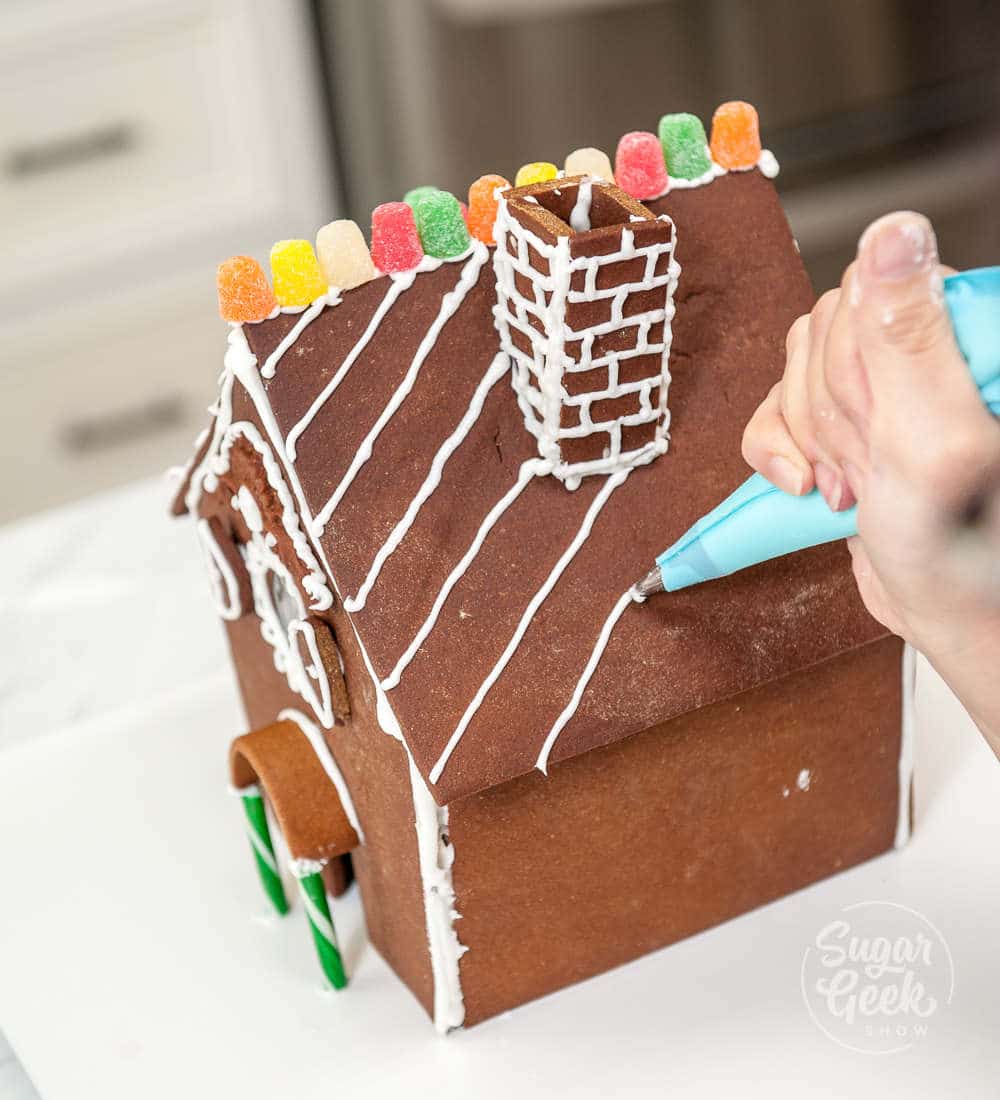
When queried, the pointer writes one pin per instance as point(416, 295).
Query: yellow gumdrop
point(589, 162)
point(295, 273)
point(536, 172)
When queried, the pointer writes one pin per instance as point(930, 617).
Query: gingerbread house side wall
point(389, 866)
point(376, 769)
point(636, 845)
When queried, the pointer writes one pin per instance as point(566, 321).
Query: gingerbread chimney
point(585, 287)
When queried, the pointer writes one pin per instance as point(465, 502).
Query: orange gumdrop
point(483, 206)
point(735, 135)
point(244, 292)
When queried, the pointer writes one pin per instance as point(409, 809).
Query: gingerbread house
point(423, 501)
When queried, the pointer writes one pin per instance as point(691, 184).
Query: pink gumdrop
point(464, 207)
point(639, 167)
point(395, 243)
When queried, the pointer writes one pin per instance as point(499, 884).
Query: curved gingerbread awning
point(301, 787)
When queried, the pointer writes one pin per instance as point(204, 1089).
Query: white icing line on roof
point(314, 736)
point(625, 600)
point(612, 483)
point(331, 298)
point(449, 305)
point(399, 284)
point(498, 369)
point(534, 467)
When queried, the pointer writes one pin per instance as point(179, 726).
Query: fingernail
point(853, 475)
point(830, 484)
point(784, 473)
point(898, 246)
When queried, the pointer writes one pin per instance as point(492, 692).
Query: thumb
point(903, 331)
point(904, 334)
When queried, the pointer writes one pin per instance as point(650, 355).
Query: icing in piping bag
point(759, 522)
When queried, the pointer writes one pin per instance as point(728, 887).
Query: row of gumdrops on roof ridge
point(431, 222)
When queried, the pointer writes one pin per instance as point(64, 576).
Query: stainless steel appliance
point(869, 105)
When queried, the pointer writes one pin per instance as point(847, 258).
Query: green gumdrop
point(442, 228)
point(413, 196)
point(685, 148)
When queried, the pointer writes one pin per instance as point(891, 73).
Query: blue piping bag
point(759, 522)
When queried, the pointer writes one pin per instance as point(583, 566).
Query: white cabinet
point(140, 144)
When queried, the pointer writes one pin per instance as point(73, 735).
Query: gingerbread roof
point(488, 678)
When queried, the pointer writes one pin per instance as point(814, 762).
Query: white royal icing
point(538, 377)
point(498, 369)
point(534, 467)
point(612, 483)
point(306, 675)
point(625, 600)
point(315, 737)
point(398, 284)
point(906, 741)
point(449, 304)
point(225, 586)
point(308, 315)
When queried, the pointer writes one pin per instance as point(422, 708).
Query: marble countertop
point(111, 635)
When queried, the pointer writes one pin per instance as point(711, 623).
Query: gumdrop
point(296, 274)
point(736, 135)
point(589, 162)
point(464, 207)
point(395, 244)
point(244, 292)
point(415, 194)
point(536, 172)
point(483, 206)
point(343, 255)
point(442, 228)
point(639, 167)
point(685, 147)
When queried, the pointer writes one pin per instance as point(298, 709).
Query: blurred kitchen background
point(142, 141)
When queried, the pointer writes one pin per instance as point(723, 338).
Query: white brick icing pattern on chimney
point(538, 378)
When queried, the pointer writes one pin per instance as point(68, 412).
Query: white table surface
point(137, 958)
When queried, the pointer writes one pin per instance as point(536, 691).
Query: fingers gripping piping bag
point(759, 522)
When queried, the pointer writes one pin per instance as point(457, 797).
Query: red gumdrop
point(395, 243)
point(639, 167)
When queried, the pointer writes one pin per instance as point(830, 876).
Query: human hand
point(878, 407)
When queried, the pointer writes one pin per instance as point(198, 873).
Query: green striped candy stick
point(263, 849)
point(324, 935)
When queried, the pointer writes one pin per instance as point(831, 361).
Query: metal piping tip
point(650, 584)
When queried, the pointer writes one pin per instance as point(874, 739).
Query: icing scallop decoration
point(483, 204)
point(685, 147)
point(244, 292)
point(736, 135)
point(296, 274)
point(395, 243)
point(440, 225)
point(343, 255)
point(639, 167)
point(537, 172)
point(589, 162)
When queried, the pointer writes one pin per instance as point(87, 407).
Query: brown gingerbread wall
point(641, 843)
point(374, 765)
